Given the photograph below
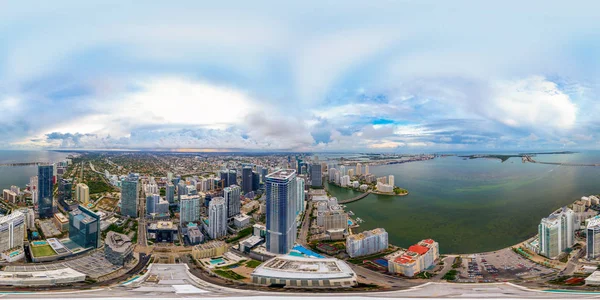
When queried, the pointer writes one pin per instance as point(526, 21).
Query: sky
point(377, 76)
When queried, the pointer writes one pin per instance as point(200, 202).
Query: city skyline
point(404, 76)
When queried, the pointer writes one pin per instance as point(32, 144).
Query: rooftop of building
point(594, 222)
point(163, 225)
point(61, 218)
point(366, 234)
point(39, 275)
point(283, 174)
point(210, 245)
point(117, 242)
point(296, 267)
point(418, 249)
point(14, 215)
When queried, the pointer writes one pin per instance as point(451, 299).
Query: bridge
point(355, 198)
point(20, 164)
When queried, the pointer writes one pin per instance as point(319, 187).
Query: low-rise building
point(41, 278)
point(118, 248)
point(241, 221)
point(194, 235)
point(302, 272)
point(593, 279)
point(61, 222)
point(209, 249)
point(415, 259)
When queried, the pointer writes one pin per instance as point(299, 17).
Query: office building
point(217, 218)
point(12, 231)
point(556, 233)
point(163, 231)
point(367, 242)
point(189, 209)
point(84, 227)
point(129, 196)
point(82, 194)
point(118, 248)
point(229, 177)
point(247, 179)
point(281, 196)
point(65, 195)
point(316, 176)
point(593, 238)
point(233, 199)
point(45, 188)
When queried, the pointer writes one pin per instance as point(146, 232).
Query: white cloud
point(532, 102)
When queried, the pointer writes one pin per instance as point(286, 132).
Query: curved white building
point(301, 272)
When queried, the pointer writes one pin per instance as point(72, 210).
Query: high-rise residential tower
point(189, 209)
point(233, 200)
point(82, 193)
point(556, 233)
point(281, 196)
point(12, 231)
point(217, 218)
point(129, 196)
point(45, 189)
point(247, 179)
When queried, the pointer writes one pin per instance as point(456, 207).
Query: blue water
point(474, 205)
point(19, 176)
point(216, 261)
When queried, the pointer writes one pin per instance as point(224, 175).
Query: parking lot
point(499, 266)
point(94, 265)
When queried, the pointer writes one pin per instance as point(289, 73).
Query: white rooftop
point(594, 222)
point(294, 267)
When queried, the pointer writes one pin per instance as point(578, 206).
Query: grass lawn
point(253, 264)
point(42, 251)
point(230, 274)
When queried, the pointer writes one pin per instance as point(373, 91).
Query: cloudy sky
point(398, 76)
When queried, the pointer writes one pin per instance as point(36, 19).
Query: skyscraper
point(82, 194)
point(189, 209)
point(232, 200)
point(152, 203)
point(129, 196)
point(593, 238)
point(12, 231)
point(367, 169)
point(33, 183)
point(556, 233)
point(84, 227)
point(45, 189)
point(281, 212)
point(358, 169)
point(65, 195)
point(247, 179)
point(391, 180)
point(217, 218)
point(316, 176)
point(299, 195)
point(255, 181)
point(170, 193)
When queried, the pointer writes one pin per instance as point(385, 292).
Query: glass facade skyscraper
point(281, 196)
point(84, 227)
point(45, 188)
point(316, 175)
point(170, 193)
point(247, 179)
point(129, 196)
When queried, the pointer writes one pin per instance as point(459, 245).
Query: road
point(174, 282)
point(448, 261)
point(303, 236)
point(142, 239)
